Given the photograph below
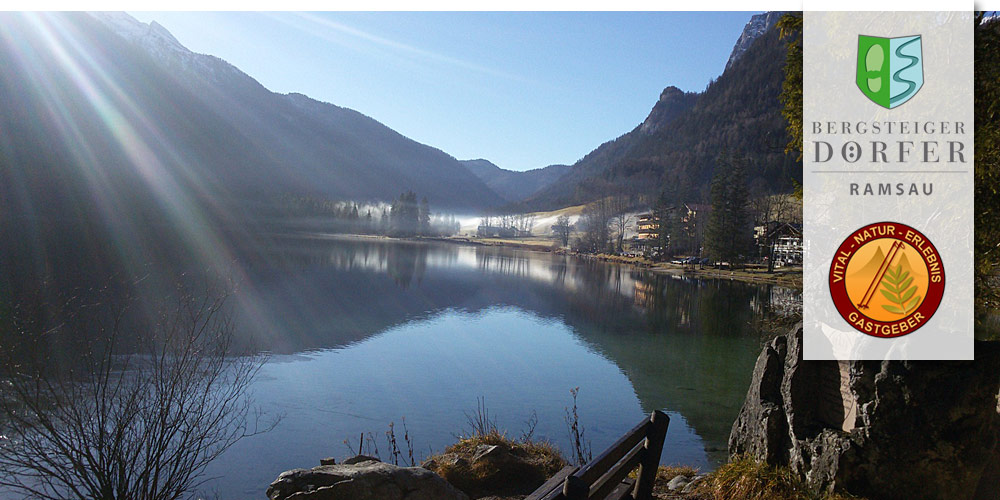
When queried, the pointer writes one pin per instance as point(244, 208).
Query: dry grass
point(622, 259)
point(519, 468)
point(537, 449)
point(542, 243)
point(747, 479)
point(791, 277)
point(667, 472)
point(570, 211)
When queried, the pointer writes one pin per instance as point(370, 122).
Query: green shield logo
point(890, 70)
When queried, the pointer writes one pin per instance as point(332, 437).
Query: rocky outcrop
point(672, 102)
point(363, 480)
point(760, 429)
point(889, 429)
point(756, 26)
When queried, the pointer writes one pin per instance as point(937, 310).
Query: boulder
point(883, 430)
point(761, 429)
point(357, 459)
point(365, 480)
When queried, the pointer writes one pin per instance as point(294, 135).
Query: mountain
point(258, 144)
point(677, 146)
point(875, 263)
point(512, 185)
point(536, 187)
point(672, 103)
point(872, 267)
point(583, 182)
point(121, 149)
point(757, 26)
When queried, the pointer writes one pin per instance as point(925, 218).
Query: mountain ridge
point(737, 116)
point(755, 27)
point(121, 154)
point(515, 185)
point(349, 155)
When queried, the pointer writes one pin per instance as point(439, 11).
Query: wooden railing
point(606, 477)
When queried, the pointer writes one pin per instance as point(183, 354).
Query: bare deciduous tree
point(594, 225)
point(507, 225)
point(524, 223)
point(620, 218)
point(562, 228)
point(122, 419)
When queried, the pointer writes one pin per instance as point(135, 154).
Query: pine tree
point(424, 218)
point(987, 165)
point(790, 29)
point(403, 215)
point(728, 234)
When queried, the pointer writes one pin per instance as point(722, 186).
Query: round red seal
point(887, 279)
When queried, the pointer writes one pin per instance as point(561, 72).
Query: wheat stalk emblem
point(896, 286)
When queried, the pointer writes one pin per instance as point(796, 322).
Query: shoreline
point(791, 278)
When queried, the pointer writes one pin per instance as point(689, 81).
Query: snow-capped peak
point(152, 35)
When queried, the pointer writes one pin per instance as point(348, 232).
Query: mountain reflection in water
point(366, 331)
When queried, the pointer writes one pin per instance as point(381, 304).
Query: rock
point(447, 460)
point(357, 459)
point(690, 487)
point(328, 461)
point(678, 482)
point(673, 102)
point(367, 480)
point(889, 429)
point(757, 26)
point(488, 452)
point(760, 429)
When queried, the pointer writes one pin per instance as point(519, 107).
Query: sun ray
point(406, 50)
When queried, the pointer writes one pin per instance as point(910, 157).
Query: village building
point(784, 240)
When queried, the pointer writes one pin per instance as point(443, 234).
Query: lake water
point(365, 332)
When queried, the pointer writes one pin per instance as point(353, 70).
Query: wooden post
point(651, 457)
point(575, 489)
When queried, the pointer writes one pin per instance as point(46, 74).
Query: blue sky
point(523, 90)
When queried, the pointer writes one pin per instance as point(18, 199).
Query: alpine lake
point(364, 332)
